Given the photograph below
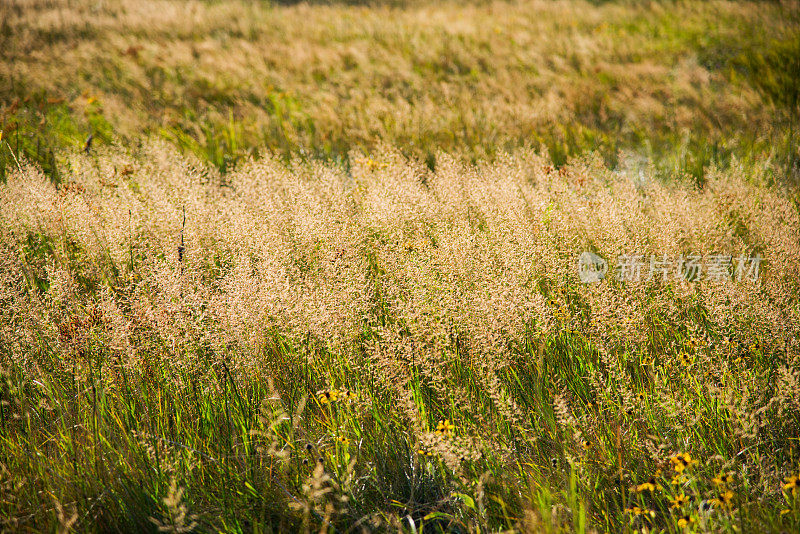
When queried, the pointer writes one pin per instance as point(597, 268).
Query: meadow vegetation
point(317, 270)
point(684, 84)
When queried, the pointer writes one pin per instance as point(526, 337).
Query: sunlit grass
point(316, 267)
point(390, 347)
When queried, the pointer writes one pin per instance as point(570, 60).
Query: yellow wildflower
point(328, 396)
point(724, 499)
point(681, 462)
point(650, 485)
point(792, 483)
point(679, 501)
point(640, 511)
point(723, 479)
point(445, 427)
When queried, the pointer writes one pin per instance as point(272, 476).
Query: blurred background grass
point(683, 84)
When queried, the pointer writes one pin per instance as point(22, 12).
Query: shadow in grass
point(127, 507)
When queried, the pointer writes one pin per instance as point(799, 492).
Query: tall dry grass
point(387, 347)
point(317, 268)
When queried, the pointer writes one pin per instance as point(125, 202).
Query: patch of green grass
point(37, 128)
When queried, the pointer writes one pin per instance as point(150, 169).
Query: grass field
point(318, 267)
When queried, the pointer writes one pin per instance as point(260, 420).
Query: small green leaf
point(468, 501)
point(251, 488)
point(435, 515)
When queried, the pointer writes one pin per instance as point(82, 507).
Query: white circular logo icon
point(591, 267)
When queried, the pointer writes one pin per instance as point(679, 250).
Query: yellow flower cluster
point(677, 504)
point(724, 496)
point(332, 395)
point(724, 499)
point(636, 511)
point(681, 462)
point(650, 485)
point(723, 479)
